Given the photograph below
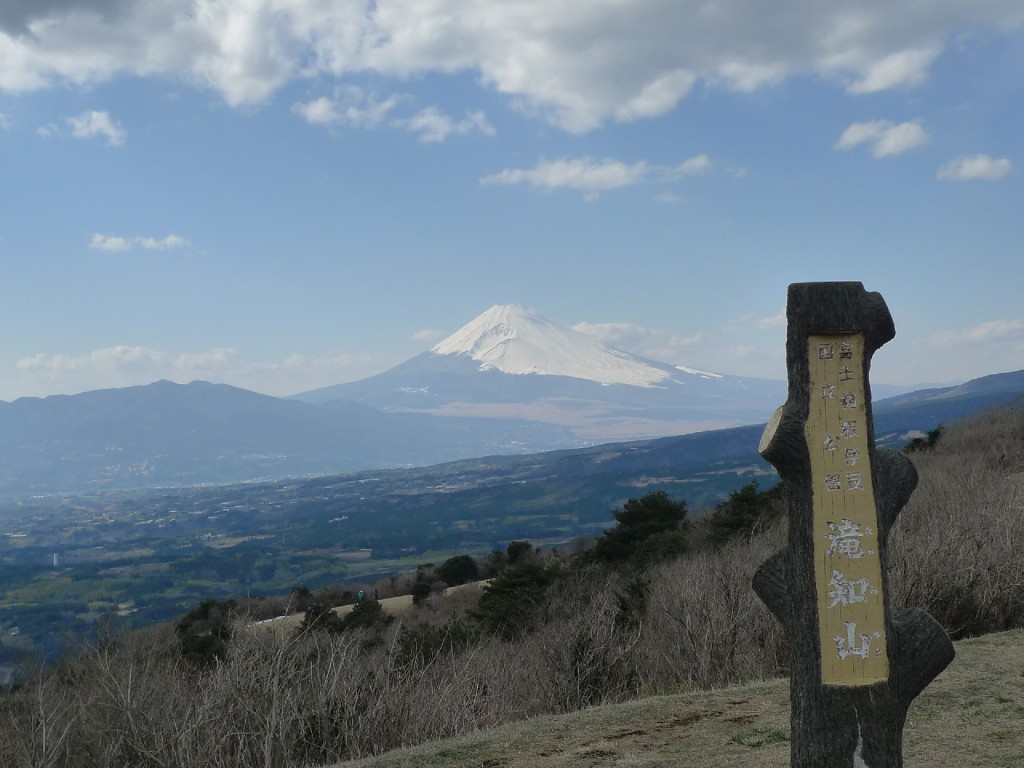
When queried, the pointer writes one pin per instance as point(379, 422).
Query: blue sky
point(286, 194)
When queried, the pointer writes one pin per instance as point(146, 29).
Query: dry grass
point(957, 550)
point(972, 715)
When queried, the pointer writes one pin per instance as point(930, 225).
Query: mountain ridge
point(436, 407)
point(167, 434)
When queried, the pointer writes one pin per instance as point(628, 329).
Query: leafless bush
point(36, 724)
point(585, 654)
point(958, 548)
point(261, 608)
point(439, 609)
point(705, 627)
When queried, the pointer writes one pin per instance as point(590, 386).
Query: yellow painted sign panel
point(847, 567)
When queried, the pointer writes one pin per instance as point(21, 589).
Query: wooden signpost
point(854, 667)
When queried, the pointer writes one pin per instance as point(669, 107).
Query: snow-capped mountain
point(512, 339)
point(513, 363)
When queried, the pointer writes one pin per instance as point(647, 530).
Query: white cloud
point(114, 243)
point(163, 244)
point(120, 359)
point(624, 334)
point(886, 139)
point(693, 167)
point(657, 97)
point(5, 122)
point(427, 334)
point(897, 70)
point(354, 107)
point(746, 76)
point(743, 351)
point(219, 361)
point(321, 111)
point(975, 167)
point(89, 125)
point(992, 332)
point(350, 106)
point(742, 321)
point(773, 321)
point(126, 358)
point(595, 176)
point(749, 321)
point(581, 173)
point(655, 344)
point(434, 126)
point(577, 65)
point(109, 243)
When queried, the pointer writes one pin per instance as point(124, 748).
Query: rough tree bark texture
point(848, 725)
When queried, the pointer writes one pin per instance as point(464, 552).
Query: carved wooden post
point(855, 668)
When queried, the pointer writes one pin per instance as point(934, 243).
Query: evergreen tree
point(647, 529)
point(926, 443)
point(458, 570)
point(321, 618)
point(204, 633)
point(513, 603)
point(744, 512)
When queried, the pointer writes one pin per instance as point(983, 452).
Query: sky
point(287, 194)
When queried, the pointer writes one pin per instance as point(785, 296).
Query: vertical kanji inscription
point(848, 573)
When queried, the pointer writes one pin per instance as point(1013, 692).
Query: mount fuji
point(511, 363)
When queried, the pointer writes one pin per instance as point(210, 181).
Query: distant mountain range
point(167, 434)
point(943, 405)
point(508, 382)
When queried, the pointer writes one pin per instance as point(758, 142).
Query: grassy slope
point(972, 715)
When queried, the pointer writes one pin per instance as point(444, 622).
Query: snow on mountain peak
point(698, 372)
point(516, 340)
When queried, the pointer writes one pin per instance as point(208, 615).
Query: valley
point(132, 558)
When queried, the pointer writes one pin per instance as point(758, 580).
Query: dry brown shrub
point(957, 549)
point(705, 627)
point(441, 608)
point(36, 725)
point(585, 654)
